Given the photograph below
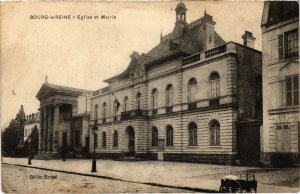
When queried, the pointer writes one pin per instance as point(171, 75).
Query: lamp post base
point(94, 168)
point(29, 160)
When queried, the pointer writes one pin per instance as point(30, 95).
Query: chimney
point(209, 31)
point(248, 39)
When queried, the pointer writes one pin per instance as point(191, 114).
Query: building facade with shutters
point(186, 98)
point(32, 123)
point(280, 134)
point(31, 131)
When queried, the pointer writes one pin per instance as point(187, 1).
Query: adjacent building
point(64, 120)
point(32, 123)
point(193, 97)
point(280, 32)
point(31, 132)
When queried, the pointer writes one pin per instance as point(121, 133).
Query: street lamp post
point(95, 131)
point(29, 151)
point(64, 146)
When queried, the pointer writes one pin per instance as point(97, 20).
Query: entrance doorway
point(129, 138)
point(248, 142)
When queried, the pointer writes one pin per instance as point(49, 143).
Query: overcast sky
point(82, 53)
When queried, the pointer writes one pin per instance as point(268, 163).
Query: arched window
point(125, 101)
point(115, 139)
point(154, 137)
point(154, 99)
point(192, 134)
point(192, 89)
point(138, 101)
point(214, 133)
point(96, 112)
point(104, 139)
point(169, 135)
point(214, 79)
point(104, 110)
point(115, 107)
point(169, 95)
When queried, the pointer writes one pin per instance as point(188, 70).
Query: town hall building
point(193, 97)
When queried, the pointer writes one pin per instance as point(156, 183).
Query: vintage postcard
point(149, 97)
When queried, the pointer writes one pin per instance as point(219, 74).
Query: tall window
point(138, 101)
point(104, 110)
point(115, 139)
point(104, 139)
point(115, 107)
point(154, 98)
point(292, 90)
point(192, 134)
point(169, 134)
point(154, 137)
point(214, 85)
point(125, 103)
point(192, 89)
point(169, 95)
point(214, 133)
point(96, 112)
point(288, 44)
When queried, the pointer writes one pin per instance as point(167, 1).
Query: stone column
point(55, 128)
point(41, 129)
point(49, 142)
point(74, 112)
point(45, 129)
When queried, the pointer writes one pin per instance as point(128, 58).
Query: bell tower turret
point(181, 13)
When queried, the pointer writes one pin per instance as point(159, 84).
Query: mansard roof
point(185, 39)
point(50, 89)
point(278, 11)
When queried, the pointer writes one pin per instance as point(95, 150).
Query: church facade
point(193, 97)
point(64, 120)
point(280, 31)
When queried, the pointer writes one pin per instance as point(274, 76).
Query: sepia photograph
point(149, 96)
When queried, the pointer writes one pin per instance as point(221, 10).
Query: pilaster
point(45, 128)
point(50, 127)
point(41, 129)
point(55, 128)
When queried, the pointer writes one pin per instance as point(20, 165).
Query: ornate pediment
point(50, 89)
point(44, 91)
point(137, 70)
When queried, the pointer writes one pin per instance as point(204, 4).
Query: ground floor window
point(154, 137)
point(103, 139)
point(192, 134)
point(169, 135)
point(115, 139)
point(214, 133)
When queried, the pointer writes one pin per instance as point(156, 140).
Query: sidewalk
point(174, 174)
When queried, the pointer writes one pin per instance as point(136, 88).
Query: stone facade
point(280, 132)
point(188, 93)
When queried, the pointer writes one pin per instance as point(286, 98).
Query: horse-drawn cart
point(234, 184)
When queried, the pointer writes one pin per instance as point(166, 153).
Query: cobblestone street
point(169, 175)
point(17, 179)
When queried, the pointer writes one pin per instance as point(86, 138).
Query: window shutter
point(296, 90)
point(289, 98)
point(280, 46)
